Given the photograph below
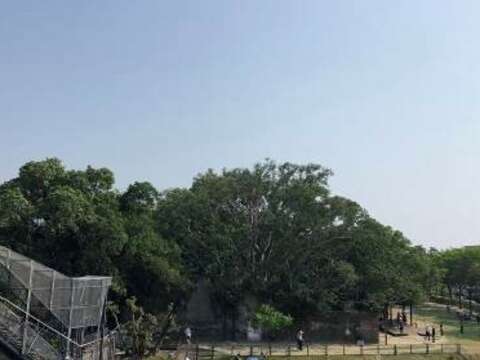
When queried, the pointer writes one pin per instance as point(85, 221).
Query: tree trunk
point(460, 303)
point(224, 324)
point(411, 314)
point(470, 301)
point(234, 324)
point(450, 295)
point(166, 325)
point(385, 312)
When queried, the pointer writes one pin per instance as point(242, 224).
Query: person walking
point(441, 329)
point(188, 335)
point(300, 339)
point(433, 334)
point(428, 334)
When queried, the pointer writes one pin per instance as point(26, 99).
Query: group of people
point(430, 333)
point(401, 320)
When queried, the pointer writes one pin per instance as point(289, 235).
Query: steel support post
point(27, 314)
point(70, 317)
point(52, 290)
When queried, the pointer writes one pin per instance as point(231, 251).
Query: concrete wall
point(209, 324)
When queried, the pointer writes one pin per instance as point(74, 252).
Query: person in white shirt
point(300, 339)
point(188, 335)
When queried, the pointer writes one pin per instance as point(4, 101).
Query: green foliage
point(75, 222)
point(461, 266)
point(460, 272)
point(271, 320)
point(277, 230)
point(274, 232)
point(146, 331)
point(140, 329)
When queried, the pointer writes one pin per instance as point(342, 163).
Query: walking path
point(429, 314)
point(433, 314)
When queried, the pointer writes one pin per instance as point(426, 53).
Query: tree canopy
point(75, 222)
point(274, 231)
point(460, 272)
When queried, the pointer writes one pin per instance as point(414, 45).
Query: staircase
point(56, 291)
point(42, 311)
point(13, 329)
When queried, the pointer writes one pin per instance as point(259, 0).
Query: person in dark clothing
point(433, 334)
point(441, 329)
point(428, 334)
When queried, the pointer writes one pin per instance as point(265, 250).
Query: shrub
point(271, 321)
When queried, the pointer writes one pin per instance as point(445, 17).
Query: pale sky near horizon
point(385, 93)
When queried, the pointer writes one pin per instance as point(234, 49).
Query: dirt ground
point(429, 314)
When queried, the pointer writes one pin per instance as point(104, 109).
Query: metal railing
point(212, 352)
point(30, 337)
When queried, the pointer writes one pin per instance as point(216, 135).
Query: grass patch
point(436, 315)
point(377, 357)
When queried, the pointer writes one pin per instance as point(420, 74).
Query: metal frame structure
point(62, 313)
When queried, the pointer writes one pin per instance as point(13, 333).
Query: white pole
point(70, 316)
point(29, 298)
point(52, 289)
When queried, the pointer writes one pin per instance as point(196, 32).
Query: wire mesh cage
point(65, 307)
point(76, 302)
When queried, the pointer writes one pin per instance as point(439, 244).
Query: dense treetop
point(274, 231)
point(75, 222)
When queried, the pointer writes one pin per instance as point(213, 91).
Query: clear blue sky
point(384, 93)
